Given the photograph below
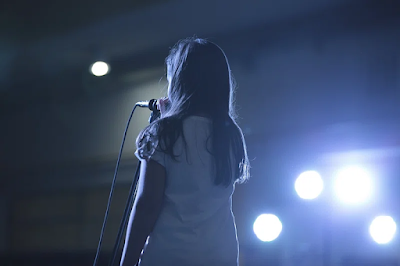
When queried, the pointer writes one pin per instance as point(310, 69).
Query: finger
point(161, 105)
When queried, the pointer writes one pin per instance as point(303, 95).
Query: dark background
point(318, 88)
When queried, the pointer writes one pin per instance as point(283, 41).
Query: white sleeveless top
point(196, 225)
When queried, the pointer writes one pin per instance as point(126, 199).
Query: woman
point(192, 157)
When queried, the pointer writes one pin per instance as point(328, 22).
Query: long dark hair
point(200, 82)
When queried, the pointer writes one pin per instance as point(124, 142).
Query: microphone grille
point(153, 105)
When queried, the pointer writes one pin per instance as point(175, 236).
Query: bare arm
point(145, 210)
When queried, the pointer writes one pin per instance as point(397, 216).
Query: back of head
point(200, 79)
point(200, 83)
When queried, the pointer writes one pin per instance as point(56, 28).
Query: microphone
point(152, 105)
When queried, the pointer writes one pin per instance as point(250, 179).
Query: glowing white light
point(267, 227)
point(309, 185)
point(382, 229)
point(353, 185)
point(99, 69)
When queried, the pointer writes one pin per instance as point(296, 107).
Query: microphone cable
point(112, 189)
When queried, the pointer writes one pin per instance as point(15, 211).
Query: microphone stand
point(155, 114)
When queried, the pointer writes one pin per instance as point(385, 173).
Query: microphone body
point(152, 104)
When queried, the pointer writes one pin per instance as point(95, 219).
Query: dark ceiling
point(47, 46)
point(25, 20)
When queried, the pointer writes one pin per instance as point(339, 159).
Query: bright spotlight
point(309, 185)
point(267, 227)
point(382, 229)
point(99, 69)
point(353, 185)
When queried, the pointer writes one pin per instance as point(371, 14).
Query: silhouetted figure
point(192, 157)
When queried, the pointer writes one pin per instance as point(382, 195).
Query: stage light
point(309, 185)
point(382, 229)
point(353, 185)
point(267, 227)
point(99, 68)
